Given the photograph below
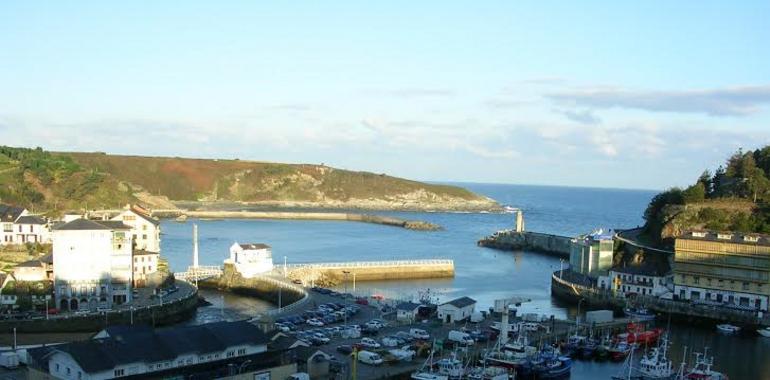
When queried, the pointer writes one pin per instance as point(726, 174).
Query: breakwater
point(328, 274)
point(168, 313)
point(418, 225)
point(531, 241)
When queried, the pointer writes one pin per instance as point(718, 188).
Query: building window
point(119, 372)
point(241, 351)
point(696, 280)
point(745, 286)
point(68, 371)
point(57, 367)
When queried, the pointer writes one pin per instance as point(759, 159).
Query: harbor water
point(481, 273)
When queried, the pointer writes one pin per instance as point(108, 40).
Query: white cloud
point(728, 101)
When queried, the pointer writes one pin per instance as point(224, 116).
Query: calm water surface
point(482, 274)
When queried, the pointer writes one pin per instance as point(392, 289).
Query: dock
point(336, 273)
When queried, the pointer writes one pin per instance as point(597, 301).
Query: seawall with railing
point(177, 310)
point(334, 273)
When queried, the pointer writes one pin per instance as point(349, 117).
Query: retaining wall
point(373, 271)
point(157, 315)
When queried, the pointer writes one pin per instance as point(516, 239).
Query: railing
point(281, 283)
point(363, 264)
point(200, 272)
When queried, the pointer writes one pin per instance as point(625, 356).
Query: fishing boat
point(702, 370)
point(574, 344)
point(728, 328)
point(627, 371)
point(489, 373)
point(637, 334)
point(588, 349)
point(555, 368)
point(765, 332)
point(426, 372)
point(603, 348)
point(655, 365)
point(639, 313)
point(620, 350)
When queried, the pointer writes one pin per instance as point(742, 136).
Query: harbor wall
point(296, 215)
point(531, 241)
point(176, 311)
point(386, 270)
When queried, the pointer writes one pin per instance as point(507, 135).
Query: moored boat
point(655, 365)
point(765, 332)
point(639, 313)
point(637, 334)
point(702, 370)
point(728, 328)
point(620, 350)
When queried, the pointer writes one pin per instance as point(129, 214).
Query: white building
point(176, 352)
point(456, 310)
point(407, 311)
point(145, 264)
point(92, 263)
point(251, 259)
point(645, 280)
point(19, 226)
point(145, 230)
point(591, 254)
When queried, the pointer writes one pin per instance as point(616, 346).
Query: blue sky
point(609, 94)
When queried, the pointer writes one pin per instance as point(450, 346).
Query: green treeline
point(718, 201)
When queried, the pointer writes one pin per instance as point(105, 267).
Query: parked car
point(368, 357)
point(404, 336)
point(325, 339)
point(314, 322)
point(460, 337)
point(390, 341)
point(419, 334)
point(362, 301)
point(370, 343)
point(345, 349)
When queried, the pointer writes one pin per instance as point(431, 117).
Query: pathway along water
point(481, 273)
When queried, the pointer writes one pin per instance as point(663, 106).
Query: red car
point(362, 301)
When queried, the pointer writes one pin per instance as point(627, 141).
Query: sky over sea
point(600, 94)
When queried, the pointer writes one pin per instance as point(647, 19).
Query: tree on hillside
point(706, 180)
point(695, 193)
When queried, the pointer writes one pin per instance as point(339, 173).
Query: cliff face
point(206, 183)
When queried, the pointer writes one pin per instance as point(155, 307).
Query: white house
point(142, 352)
point(251, 259)
point(638, 279)
point(92, 264)
point(145, 264)
point(407, 311)
point(456, 310)
point(19, 227)
point(145, 230)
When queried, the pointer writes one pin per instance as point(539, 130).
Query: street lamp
point(346, 292)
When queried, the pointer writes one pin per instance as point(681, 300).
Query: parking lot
point(379, 333)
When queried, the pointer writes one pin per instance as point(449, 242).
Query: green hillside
point(735, 197)
point(69, 180)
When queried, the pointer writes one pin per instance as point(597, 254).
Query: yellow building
point(723, 268)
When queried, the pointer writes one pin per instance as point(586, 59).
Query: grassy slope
point(198, 179)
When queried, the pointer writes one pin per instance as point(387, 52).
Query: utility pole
point(284, 267)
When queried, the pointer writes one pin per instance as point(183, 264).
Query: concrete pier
point(335, 273)
point(526, 240)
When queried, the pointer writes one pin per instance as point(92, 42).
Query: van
point(419, 334)
point(368, 357)
point(460, 337)
point(299, 376)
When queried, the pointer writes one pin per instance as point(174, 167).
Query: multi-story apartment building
point(92, 263)
point(723, 267)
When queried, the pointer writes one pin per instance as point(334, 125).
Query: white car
point(389, 341)
point(314, 322)
point(321, 337)
point(370, 343)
